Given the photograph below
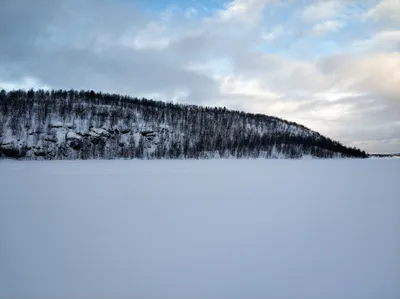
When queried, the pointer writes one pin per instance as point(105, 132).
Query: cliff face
point(87, 125)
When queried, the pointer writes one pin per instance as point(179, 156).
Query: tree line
point(153, 129)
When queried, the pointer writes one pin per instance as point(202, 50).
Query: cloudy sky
point(333, 66)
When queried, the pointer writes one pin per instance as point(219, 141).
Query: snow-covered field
point(235, 229)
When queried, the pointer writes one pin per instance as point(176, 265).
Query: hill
point(392, 155)
point(91, 125)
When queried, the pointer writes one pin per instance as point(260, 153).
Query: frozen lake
point(235, 229)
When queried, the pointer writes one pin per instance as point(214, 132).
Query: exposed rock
point(76, 144)
point(51, 139)
point(40, 153)
point(95, 140)
point(34, 132)
point(148, 134)
point(125, 131)
point(74, 140)
point(109, 130)
point(57, 125)
point(72, 135)
point(100, 132)
point(7, 144)
point(84, 134)
point(10, 152)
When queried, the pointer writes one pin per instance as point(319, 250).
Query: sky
point(333, 66)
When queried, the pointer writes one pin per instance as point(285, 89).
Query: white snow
point(72, 135)
point(200, 229)
point(57, 124)
point(98, 131)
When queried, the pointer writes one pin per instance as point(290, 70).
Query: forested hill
point(88, 125)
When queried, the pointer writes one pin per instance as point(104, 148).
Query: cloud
point(386, 40)
point(127, 60)
point(275, 33)
point(328, 26)
point(245, 87)
point(26, 83)
point(245, 12)
point(190, 12)
point(386, 12)
point(377, 73)
point(321, 11)
point(153, 36)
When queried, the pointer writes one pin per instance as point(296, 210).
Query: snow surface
point(200, 229)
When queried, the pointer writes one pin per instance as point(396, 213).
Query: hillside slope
point(393, 155)
point(88, 125)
